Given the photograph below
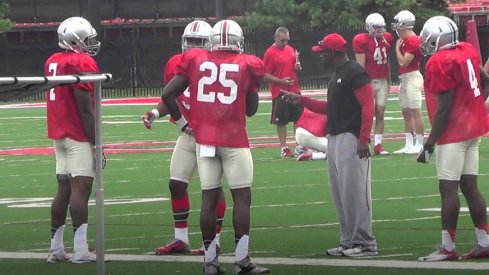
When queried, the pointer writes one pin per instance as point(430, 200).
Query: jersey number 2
point(52, 69)
point(217, 74)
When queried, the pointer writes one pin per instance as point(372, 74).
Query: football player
point(311, 134)
point(223, 85)
point(453, 90)
point(71, 125)
point(372, 51)
point(195, 35)
point(408, 56)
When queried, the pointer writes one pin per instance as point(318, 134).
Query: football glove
point(425, 154)
point(148, 119)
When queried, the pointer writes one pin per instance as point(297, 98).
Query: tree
point(327, 13)
point(5, 23)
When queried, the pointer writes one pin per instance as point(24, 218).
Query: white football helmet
point(196, 35)
point(77, 34)
point(226, 35)
point(375, 25)
point(438, 33)
point(403, 20)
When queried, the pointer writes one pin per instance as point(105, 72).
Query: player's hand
point(289, 97)
point(148, 119)
point(363, 150)
point(287, 81)
point(425, 154)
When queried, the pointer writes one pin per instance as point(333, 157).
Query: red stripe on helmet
point(224, 34)
point(195, 27)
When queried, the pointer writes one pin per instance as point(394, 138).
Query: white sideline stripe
point(276, 261)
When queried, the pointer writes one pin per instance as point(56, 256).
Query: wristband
point(156, 113)
point(182, 122)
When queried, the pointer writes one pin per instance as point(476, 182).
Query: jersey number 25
point(217, 74)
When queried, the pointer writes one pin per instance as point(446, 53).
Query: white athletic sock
point(482, 237)
point(318, 155)
point(242, 248)
point(446, 241)
point(218, 239)
point(182, 234)
point(210, 253)
point(419, 140)
point(57, 239)
point(80, 239)
point(409, 140)
point(378, 139)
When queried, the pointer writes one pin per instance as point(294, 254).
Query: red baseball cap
point(333, 42)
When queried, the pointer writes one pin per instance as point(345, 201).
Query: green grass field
point(293, 217)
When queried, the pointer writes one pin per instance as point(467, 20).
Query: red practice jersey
point(411, 45)
point(62, 115)
point(281, 63)
point(457, 69)
point(183, 101)
point(219, 82)
point(376, 52)
point(314, 123)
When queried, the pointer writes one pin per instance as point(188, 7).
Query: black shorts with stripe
point(284, 112)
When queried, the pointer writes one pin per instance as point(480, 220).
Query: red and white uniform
point(183, 101)
point(449, 70)
point(219, 82)
point(281, 63)
point(62, 116)
point(314, 123)
point(411, 45)
point(376, 52)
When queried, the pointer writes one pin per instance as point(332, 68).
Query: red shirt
point(281, 63)
point(314, 123)
point(183, 101)
point(458, 70)
point(411, 45)
point(62, 116)
point(376, 52)
point(219, 83)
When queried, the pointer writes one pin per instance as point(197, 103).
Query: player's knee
point(178, 188)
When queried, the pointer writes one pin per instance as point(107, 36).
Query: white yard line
point(343, 262)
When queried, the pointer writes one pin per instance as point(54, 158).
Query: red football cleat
point(173, 247)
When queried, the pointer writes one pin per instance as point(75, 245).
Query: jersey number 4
point(380, 55)
point(474, 84)
point(53, 67)
point(218, 74)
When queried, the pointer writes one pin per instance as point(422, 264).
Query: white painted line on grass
point(344, 262)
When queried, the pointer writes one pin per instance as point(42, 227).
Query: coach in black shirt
point(350, 110)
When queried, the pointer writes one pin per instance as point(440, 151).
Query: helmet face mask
point(403, 20)
point(77, 34)
point(438, 33)
point(196, 35)
point(375, 25)
point(227, 35)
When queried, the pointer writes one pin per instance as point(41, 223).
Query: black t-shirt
point(344, 111)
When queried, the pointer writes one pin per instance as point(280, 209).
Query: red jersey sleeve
point(81, 64)
point(411, 45)
point(360, 43)
point(438, 75)
point(171, 68)
point(389, 38)
point(257, 69)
